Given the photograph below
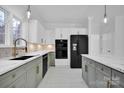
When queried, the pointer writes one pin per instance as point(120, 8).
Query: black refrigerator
point(79, 45)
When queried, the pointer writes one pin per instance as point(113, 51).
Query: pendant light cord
point(28, 8)
point(105, 12)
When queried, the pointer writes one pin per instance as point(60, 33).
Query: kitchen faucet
point(15, 48)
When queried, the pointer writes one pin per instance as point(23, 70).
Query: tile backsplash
point(8, 51)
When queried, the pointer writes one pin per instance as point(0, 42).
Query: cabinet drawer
point(8, 78)
point(99, 66)
point(32, 63)
point(106, 70)
point(91, 63)
point(20, 82)
point(118, 77)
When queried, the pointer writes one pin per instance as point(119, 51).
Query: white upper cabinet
point(61, 33)
point(64, 33)
point(36, 31)
point(49, 37)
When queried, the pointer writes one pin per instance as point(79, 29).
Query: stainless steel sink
point(22, 58)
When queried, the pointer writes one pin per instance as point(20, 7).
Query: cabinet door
point(51, 59)
point(20, 82)
point(38, 73)
point(85, 70)
point(100, 83)
point(102, 80)
point(7, 79)
point(91, 75)
point(117, 78)
point(31, 77)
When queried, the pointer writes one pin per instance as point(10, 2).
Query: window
point(3, 19)
point(16, 28)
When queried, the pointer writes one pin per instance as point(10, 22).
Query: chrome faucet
point(15, 48)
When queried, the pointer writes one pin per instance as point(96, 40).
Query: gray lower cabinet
point(85, 70)
point(9, 78)
point(102, 80)
point(117, 79)
point(91, 74)
point(31, 77)
point(28, 75)
point(95, 75)
point(34, 73)
point(38, 73)
point(20, 82)
point(51, 59)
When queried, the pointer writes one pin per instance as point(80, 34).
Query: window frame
point(20, 33)
point(6, 18)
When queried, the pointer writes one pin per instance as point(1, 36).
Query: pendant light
point(105, 16)
point(28, 12)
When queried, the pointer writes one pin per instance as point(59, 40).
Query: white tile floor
point(62, 77)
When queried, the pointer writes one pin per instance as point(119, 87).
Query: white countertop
point(110, 61)
point(6, 64)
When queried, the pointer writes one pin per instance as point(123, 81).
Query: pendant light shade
point(105, 16)
point(28, 12)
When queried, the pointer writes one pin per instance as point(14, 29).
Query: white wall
point(101, 36)
point(107, 34)
point(94, 36)
point(119, 36)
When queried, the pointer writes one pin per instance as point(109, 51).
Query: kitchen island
point(103, 71)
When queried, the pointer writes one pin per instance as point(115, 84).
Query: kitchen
point(61, 46)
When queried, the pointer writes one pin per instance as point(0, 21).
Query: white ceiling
point(71, 14)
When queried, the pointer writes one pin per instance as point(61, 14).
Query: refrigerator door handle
point(77, 47)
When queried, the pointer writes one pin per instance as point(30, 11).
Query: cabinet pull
point(102, 69)
point(108, 84)
point(37, 71)
point(13, 86)
point(86, 69)
point(13, 76)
